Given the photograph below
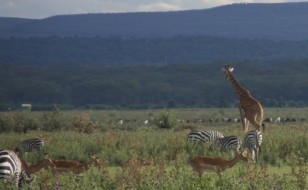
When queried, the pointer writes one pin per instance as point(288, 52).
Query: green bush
point(53, 121)
point(6, 123)
point(165, 120)
point(20, 122)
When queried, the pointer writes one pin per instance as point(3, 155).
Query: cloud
point(159, 7)
point(46, 8)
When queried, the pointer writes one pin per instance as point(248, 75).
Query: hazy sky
point(46, 8)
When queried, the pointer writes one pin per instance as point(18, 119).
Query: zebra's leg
point(18, 180)
point(253, 155)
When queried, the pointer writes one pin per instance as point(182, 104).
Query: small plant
point(83, 124)
point(5, 123)
point(53, 121)
point(165, 120)
point(22, 122)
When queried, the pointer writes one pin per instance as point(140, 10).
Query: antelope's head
point(244, 155)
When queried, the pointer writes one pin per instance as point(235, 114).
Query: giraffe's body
point(251, 110)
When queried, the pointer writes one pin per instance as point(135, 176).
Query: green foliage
point(165, 120)
point(53, 121)
point(5, 123)
point(19, 122)
point(141, 87)
point(83, 124)
point(152, 158)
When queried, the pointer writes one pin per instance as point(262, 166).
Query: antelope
point(74, 166)
point(33, 168)
point(217, 164)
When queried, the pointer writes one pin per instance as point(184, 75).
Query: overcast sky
point(46, 8)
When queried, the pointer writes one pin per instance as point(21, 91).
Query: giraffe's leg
point(243, 118)
point(247, 125)
point(256, 123)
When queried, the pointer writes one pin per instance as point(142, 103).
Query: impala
point(74, 166)
point(217, 164)
point(33, 168)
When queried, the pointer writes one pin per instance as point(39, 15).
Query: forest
point(279, 84)
point(131, 51)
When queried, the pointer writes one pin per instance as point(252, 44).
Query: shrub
point(19, 122)
point(165, 120)
point(82, 124)
point(5, 123)
point(53, 121)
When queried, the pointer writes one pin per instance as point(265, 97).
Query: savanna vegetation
point(135, 154)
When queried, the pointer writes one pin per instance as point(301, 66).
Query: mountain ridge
point(278, 21)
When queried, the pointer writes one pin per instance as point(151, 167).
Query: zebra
point(253, 141)
point(199, 136)
point(11, 167)
point(29, 145)
point(228, 143)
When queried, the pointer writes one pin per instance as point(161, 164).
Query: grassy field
point(135, 155)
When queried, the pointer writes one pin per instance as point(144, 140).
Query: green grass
point(146, 157)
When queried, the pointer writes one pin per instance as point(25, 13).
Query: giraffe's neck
point(238, 89)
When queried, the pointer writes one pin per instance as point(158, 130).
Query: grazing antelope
point(33, 168)
point(74, 166)
point(11, 167)
point(250, 109)
point(216, 164)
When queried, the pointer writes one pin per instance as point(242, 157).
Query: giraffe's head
point(228, 71)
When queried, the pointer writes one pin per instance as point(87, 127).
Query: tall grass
point(148, 157)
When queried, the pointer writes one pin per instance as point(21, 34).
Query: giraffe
point(251, 110)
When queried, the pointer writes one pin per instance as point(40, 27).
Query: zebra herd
point(10, 163)
point(252, 141)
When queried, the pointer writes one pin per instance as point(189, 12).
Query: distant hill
point(287, 21)
point(135, 51)
point(7, 24)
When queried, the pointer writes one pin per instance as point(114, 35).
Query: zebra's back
point(29, 145)
point(204, 136)
point(229, 143)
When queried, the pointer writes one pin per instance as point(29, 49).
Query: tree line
point(279, 84)
point(129, 51)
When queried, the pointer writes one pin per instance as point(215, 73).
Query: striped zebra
point(228, 143)
point(199, 136)
point(253, 141)
point(11, 167)
point(29, 145)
